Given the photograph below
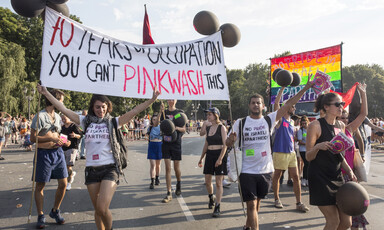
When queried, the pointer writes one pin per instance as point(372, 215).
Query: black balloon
point(58, 1)
point(231, 34)
point(28, 8)
point(61, 8)
point(206, 23)
point(352, 199)
point(167, 127)
point(284, 78)
point(275, 72)
point(180, 119)
point(296, 79)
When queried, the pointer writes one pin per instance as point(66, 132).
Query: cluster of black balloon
point(168, 127)
point(285, 78)
point(206, 23)
point(33, 8)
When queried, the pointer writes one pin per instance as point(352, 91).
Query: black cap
point(213, 110)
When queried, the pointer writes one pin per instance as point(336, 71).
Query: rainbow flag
point(327, 60)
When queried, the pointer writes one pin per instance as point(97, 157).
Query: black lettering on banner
point(169, 57)
point(161, 55)
point(129, 53)
point(185, 52)
point(54, 61)
point(89, 44)
point(198, 48)
point(219, 81)
point(82, 39)
point(115, 50)
point(149, 56)
point(93, 80)
point(193, 54)
point(77, 67)
point(181, 55)
point(105, 43)
point(60, 65)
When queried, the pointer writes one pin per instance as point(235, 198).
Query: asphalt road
point(135, 206)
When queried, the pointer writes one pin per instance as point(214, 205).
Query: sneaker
point(57, 216)
point(226, 183)
point(290, 182)
point(151, 186)
point(167, 198)
point(69, 186)
point(82, 157)
point(72, 177)
point(157, 181)
point(304, 183)
point(216, 212)
point(278, 204)
point(40, 222)
point(211, 202)
point(178, 189)
point(302, 207)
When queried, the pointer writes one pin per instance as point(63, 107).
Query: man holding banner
point(257, 165)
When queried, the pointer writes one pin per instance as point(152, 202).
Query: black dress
point(324, 172)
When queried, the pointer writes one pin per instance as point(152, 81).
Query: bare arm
point(352, 127)
point(360, 141)
point(203, 129)
point(205, 148)
point(276, 106)
point(125, 118)
point(348, 169)
point(293, 100)
point(58, 105)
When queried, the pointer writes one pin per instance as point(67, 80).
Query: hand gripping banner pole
point(237, 170)
point(35, 160)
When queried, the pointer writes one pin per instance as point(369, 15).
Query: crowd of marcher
point(270, 145)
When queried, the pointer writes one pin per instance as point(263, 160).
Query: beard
point(256, 113)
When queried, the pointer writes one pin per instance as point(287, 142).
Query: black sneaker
point(157, 181)
point(178, 189)
point(151, 186)
point(57, 216)
point(290, 182)
point(211, 202)
point(216, 212)
point(40, 222)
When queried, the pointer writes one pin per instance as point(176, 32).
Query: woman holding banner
point(103, 168)
point(324, 171)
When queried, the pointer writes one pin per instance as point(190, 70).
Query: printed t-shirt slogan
point(78, 58)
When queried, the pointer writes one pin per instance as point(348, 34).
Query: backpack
point(123, 155)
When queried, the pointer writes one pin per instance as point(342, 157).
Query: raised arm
point(354, 125)
point(125, 118)
point(293, 100)
point(58, 105)
point(276, 106)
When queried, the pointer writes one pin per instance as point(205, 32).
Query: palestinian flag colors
point(327, 60)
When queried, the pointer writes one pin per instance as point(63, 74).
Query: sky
point(268, 27)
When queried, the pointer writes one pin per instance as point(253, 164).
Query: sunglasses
point(338, 104)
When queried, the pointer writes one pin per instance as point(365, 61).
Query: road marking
point(184, 207)
point(379, 163)
point(377, 197)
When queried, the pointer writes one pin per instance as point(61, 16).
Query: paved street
point(135, 206)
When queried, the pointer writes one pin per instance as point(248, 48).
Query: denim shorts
point(96, 174)
point(2, 139)
point(154, 151)
point(50, 165)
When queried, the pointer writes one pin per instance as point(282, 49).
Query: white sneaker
point(69, 186)
point(226, 183)
point(304, 182)
point(72, 178)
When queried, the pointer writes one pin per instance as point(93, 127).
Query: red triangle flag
point(348, 96)
point(147, 36)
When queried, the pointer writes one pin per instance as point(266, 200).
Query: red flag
point(348, 96)
point(147, 37)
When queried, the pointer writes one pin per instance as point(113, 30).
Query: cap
point(213, 110)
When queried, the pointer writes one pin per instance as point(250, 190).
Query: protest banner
point(78, 58)
point(327, 60)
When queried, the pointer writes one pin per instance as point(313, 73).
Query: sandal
point(2, 158)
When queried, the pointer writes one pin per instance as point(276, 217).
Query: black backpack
point(123, 155)
point(269, 122)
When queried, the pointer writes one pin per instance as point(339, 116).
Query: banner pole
point(35, 161)
point(237, 170)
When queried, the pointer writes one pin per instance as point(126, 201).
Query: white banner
point(80, 59)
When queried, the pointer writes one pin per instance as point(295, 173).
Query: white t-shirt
point(97, 144)
point(256, 144)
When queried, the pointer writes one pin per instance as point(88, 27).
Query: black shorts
point(171, 151)
point(95, 174)
point(210, 161)
point(255, 185)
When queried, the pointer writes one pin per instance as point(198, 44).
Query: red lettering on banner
point(185, 82)
point(127, 79)
point(173, 83)
point(160, 79)
point(146, 75)
point(56, 27)
point(200, 84)
point(194, 90)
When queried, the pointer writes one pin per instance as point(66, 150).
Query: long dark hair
point(102, 98)
point(324, 99)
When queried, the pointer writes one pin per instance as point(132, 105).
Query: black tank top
point(216, 138)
